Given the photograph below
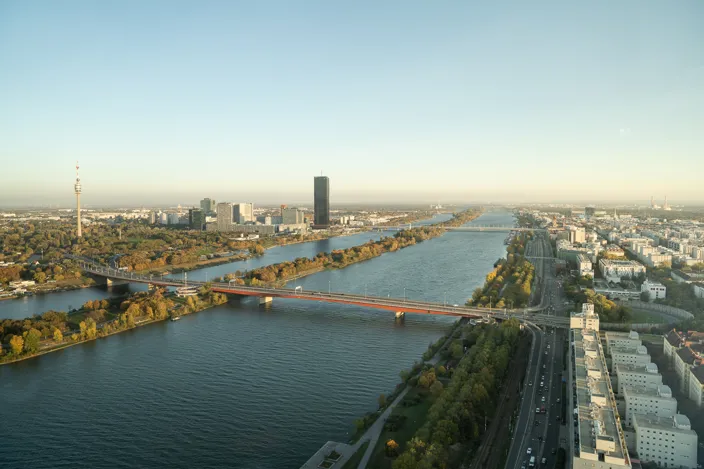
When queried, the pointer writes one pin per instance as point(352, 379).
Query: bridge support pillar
point(400, 315)
point(265, 300)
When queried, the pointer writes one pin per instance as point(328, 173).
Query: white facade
point(614, 270)
point(646, 376)
point(587, 319)
point(684, 360)
point(622, 340)
point(668, 442)
point(696, 385)
point(637, 356)
point(585, 266)
point(698, 290)
point(654, 289)
point(639, 400)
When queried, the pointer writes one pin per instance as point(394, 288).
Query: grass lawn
point(356, 457)
point(415, 417)
point(642, 316)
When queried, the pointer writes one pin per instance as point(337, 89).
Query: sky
point(400, 101)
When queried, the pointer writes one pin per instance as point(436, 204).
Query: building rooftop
point(663, 391)
point(673, 338)
point(687, 355)
point(678, 424)
point(636, 350)
point(647, 369)
point(598, 420)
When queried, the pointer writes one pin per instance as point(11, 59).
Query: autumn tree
point(382, 401)
point(31, 340)
point(58, 336)
point(16, 344)
point(391, 448)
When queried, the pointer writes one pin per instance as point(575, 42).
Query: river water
point(239, 385)
point(64, 301)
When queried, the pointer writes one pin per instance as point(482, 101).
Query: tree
point(40, 277)
point(382, 401)
point(391, 448)
point(16, 344)
point(645, 296)
point(436, 388)
point(456, 350)
point(31, 340)
point(58, 336)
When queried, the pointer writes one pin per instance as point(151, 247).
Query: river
point(239, 385)
point(63, 301)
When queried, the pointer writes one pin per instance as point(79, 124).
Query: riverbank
point(120, 314)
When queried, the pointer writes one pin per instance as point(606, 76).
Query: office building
point(208, 206)
point(646, 376)
point(641, 400)
point(292, 216)
point(243, 213)
point(224, 216)
point(585, 266)
point(152, 218)
point(196, 219)
point(599, 440)
point(174, 219)
point(321, 201)
point(655, 290)
point(667, 441)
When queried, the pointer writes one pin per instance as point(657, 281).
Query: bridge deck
point(389, 304)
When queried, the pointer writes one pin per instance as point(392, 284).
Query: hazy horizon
point(169, 102)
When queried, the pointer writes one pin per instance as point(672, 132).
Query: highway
point(540, 431)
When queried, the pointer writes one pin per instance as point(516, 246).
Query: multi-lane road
point(537, 428)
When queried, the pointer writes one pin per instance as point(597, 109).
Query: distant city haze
point(168, 102)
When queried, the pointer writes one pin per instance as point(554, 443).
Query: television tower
point(77, 189)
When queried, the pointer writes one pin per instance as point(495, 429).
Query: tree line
point(509, 284)
point(459, 409)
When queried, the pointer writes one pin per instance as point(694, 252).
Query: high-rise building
point(77, 189)
point(208, 206)
point(243, 213)
point(292, 216)
point(224, 214)
point(196, 218)
point(321, 201)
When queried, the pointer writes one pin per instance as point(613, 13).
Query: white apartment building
point(600, 442)
point(614, 270)
point(637, 356)
point(669, 442)
point(587, 319)
point(645, 376)
point(654, 289)
point(671, 343)
point(639, 400)
point(577, 234)
point(685, 359)
point(698, 289)
point(622, 340)
point(696, 385)
point(585, 266)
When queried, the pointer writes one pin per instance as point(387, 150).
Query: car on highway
point(544, 461)
point(542, 399)
point(530, 450)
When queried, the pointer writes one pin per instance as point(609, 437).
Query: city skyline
point(427, 104)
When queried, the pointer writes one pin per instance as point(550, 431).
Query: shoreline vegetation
point(22, 339)
point(56, 330)
point(509, 284)
point(441, 417)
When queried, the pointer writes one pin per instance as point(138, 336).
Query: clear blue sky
point(171, 101)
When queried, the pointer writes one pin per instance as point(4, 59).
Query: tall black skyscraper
point(321, 200)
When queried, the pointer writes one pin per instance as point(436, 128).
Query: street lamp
point(329, 286)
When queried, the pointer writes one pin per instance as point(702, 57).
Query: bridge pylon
point(263, 300)
point(400, 315)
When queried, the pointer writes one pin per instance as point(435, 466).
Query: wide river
point(239, 385)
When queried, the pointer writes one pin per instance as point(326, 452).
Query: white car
point(530, 450)
point(542, 399)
